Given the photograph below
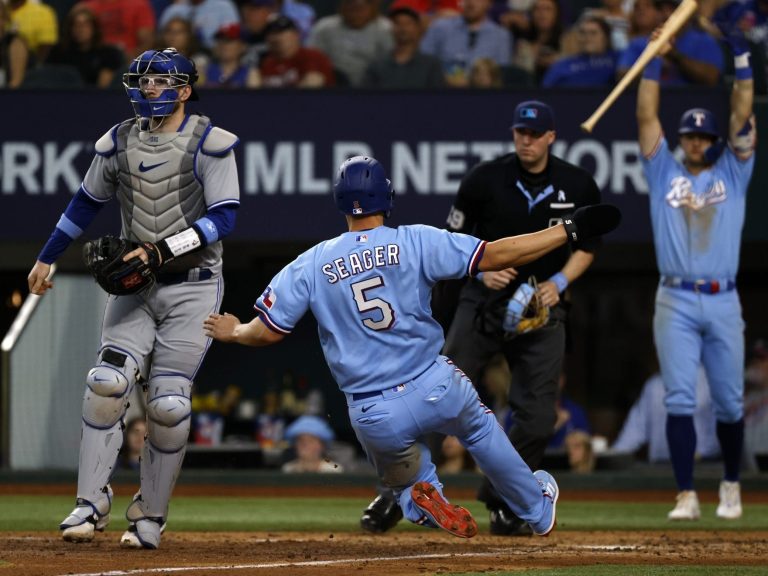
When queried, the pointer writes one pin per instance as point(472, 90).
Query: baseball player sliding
point(697, 213)
point(369, 290)
point(175, 177)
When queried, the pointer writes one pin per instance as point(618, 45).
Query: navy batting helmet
point(362, 187)
point(698, 121)
point(167, 70)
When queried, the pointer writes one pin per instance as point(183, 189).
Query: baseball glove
point(104, 259)
point(525, 312)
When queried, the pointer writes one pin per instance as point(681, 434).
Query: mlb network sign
point(292, 142)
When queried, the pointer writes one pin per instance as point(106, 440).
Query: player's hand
point(148, 253)
point(548, 293)
point(221, 327)
point(38, 278)
point(500, 279)
point(667, 46)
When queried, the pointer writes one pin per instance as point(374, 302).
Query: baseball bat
point(674, 23)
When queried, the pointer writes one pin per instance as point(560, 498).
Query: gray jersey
point(166, 181)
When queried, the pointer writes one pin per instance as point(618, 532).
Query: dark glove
point(104, 259)
point(591, 221)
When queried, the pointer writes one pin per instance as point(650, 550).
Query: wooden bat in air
point(674, 23)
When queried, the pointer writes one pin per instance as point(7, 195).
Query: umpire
point(515, 194)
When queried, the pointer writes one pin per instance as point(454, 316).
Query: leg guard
point(86, 518)
point(169, 408)
point(108, 387)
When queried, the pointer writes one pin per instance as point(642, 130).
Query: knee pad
point(108, 386)
point(169, 408)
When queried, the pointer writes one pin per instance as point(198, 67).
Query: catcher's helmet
point(698, 121)
point(362, 187)
point(169, 70)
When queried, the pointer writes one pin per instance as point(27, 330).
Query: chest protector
point(158, 187)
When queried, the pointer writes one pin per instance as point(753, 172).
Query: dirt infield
point(422, 552)
point(395, 554)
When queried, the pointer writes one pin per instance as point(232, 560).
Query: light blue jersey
point(370, 293)
point(697, 220)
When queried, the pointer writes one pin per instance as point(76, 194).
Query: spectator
point(178, 33)
point(81, 46)
point(207, 17)
point(643, 19)
point(537, 48)
point(513, 14)
point(302, 14)
point(255, 14)
point(594, 65)
point(581, 456)
point(695, 58)
point(644, 425)
point(310, 437)
point(353, 39)
point(227, 70)
point(485, 73)
point(288, 64)
point(454, 458)
point(756, 404)
point(459, 41)
point(14, 55)
point(128, 25)
point(133, 438)
point(612, 11)
point(37, 25)
point(571, 417)
point(406, 66)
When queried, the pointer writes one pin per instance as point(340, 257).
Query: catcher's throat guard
point(104, 259)
point(525, 312)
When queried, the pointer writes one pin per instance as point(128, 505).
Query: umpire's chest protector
point(158, 188)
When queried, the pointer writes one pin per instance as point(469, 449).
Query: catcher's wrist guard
point(184, 242)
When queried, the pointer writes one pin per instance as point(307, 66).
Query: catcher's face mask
point(524, 310)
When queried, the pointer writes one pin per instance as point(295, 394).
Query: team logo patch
point(356, 208)
point(361, 238)
point(529, 113)
point(269, 297)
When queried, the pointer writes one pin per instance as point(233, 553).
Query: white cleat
point(142, 534)
point(730, 500)
point(687, 507)
point(550, 490)
point(87, 517)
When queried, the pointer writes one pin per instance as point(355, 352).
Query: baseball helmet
point(169, 70)
point(362, 187)
point(698, 121)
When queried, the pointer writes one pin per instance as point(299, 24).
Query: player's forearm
point(742, 99)
point(255, 333)
point(519, 250)
point(577, 264)
point(647, 101)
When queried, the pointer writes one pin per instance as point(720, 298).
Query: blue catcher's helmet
point(362, 187)
point(698, 121)
point(168, 70)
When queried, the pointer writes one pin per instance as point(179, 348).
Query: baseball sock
point(731, 437)
point(681, 437)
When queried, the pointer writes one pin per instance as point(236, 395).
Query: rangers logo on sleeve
point(269, 297)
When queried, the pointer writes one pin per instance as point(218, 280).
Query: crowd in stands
point(386, 44)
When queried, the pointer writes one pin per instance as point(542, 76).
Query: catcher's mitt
point(525, 311)
point(104, 259)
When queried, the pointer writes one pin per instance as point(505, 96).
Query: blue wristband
point(479, 276)
point(560, 281)
point(652, 70)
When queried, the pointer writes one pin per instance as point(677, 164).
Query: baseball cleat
point(503, 522)
point(144, 533)
point(687, 507)
point(549, 489)
point(381, 515)
point(87, 517)
point(730, 500)
point(451, 517)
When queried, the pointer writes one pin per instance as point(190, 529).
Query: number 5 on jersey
point(366, 305)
